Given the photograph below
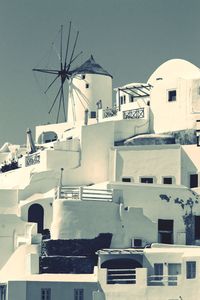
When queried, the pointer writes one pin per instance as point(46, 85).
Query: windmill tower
point(89, 85)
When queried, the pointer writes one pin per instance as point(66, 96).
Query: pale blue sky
point(129, 38)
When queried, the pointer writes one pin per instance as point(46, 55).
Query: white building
point(119, 178)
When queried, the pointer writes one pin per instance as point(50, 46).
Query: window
point(46, 294)
point(172, 95)
point(83, 76)
point(137, 243)
point(197, 227)
point(167, 180)
point(190, 269)
point(2, 292)
point(146, 179)
point(126, 179)
point(78, 294)
point(131, 99)
point(193, 180)
point(158, 271)
point(87, 85)
point(165, 231)
point(93, 114)
point(123, 99)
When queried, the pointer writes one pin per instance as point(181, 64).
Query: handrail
point(137, 113)
point(83, 193)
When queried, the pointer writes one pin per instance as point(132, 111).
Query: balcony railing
point(121, 276)
point(160, 280)
point(32, 159)
point(134, 113)
point(110, 112)
point(83, 193)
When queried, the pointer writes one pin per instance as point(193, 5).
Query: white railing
point(121, 276)
point(32, 159)
point(134, 113)
point(157, 280)
point(83, 193)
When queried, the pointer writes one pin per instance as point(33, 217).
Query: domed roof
point(90, 67)
point(174, 68)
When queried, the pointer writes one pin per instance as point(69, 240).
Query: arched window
point(36, 215)
point(47, 137)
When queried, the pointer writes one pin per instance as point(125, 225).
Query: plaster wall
point(55, 159)
point(10, 227)
point(190, 163)
point(86, 219)
point(147, 196)
point(183, 77)
point(59, 290)
point(82, 98)
point(17, 290)
point(8, 201)
point(147, 161)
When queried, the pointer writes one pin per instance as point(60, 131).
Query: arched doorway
point(36, 215)
point(121, 263)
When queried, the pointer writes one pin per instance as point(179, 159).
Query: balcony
point(84, 193)
point(163, 280)
point(121, 276)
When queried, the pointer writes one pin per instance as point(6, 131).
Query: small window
point(46, 294)
point(137, 243)
point(167, 180)
point(87, 85)
point(83, 76)
point(131, 99)
point(93, 114)
point(123, 99)
point(146, 180)
point(78, 294)
point(126, 179)
point(193, 180)
point(190, 269)
point(197, 227)
point(172, 95)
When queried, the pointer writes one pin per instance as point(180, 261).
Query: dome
point(90, 67)
point(174, 68)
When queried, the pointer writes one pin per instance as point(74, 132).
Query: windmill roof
point(90, 67)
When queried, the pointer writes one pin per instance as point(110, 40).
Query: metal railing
point(32, 159)
point(134, 113)
point(170, 280)
point(83, 193)
point(110, 112)
point(121, 276)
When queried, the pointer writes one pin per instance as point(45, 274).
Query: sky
point(128, 38)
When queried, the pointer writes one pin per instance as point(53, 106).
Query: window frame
point(45, 293)
point(191, 269)
point(78, 294)
point(147, 177)
point(167, 177)
point(170, 98)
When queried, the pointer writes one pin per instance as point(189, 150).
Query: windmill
point(63, 73)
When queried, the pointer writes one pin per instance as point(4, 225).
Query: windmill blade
point(61, 32)
point(73, 51)
point(67, 48)
point(75, 58)
point(63, 103)
point(51, 84)
point(55, 99)
point(55, 72)
point(60, 100)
